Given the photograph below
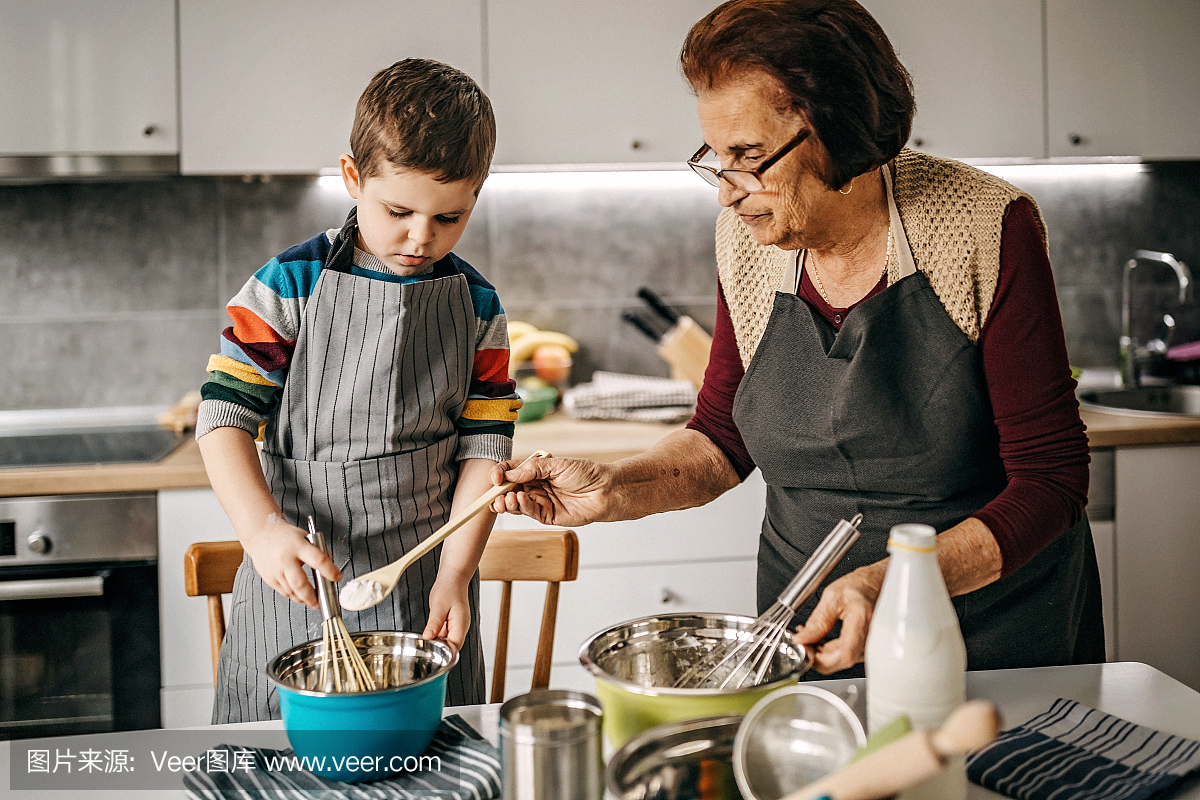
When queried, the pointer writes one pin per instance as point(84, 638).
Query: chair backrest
point(208, 570)
point(542, 555)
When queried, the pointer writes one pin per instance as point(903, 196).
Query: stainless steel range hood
point(77, 166)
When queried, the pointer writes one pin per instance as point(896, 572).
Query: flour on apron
point(364, 441)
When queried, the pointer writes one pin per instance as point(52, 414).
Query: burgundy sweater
point(1042, 440)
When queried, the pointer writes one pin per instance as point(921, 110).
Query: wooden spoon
point(910, 759)
point(370, 589)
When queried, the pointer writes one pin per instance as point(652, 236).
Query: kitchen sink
point(1146, 401)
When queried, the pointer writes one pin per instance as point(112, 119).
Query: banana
point(517, 329)
point(521, 350)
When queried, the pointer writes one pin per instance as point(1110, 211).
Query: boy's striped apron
point(364, 441)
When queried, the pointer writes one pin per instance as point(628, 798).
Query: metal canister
point(550, 746)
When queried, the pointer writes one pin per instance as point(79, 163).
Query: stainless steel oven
point(79, 644)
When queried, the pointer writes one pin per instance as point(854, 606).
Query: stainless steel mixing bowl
point(690, 760)
point(635, 664)
point(791, 738)
point(394, 658)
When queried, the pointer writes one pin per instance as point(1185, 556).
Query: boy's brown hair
point(425, 115)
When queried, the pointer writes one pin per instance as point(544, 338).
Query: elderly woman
point(888, 342)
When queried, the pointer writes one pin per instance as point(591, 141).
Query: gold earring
point(847, 191)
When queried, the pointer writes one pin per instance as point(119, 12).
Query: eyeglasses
point(748, 180)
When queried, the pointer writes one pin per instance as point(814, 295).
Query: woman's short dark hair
point(832, 60)
point(424, 115)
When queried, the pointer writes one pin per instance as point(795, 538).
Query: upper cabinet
point(271, 86)
point(1123, 78)
point(580, 82)
point(977, 70)
point(87, 78)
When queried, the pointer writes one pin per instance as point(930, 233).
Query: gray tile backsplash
point(102, 248)
point(113, 293)
point(1095, 224)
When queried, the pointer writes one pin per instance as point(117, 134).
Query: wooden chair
point(544, 555)
point(208, 570)
point(547, 555)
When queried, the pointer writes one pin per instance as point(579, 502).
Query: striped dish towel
point(642, 398)
point(471, 771)
point(1073, 752)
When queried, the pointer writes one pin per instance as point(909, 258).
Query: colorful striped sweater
point(246, 378)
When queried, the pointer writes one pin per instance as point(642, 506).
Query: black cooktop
point(88, 446)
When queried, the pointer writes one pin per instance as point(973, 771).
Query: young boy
point(379, 362)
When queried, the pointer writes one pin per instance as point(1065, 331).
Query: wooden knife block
point(685, 347)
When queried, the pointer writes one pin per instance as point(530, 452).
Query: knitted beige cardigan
point(952, 215)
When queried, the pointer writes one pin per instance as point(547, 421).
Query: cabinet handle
point(918, 142)
point(665, 595)
point(636, 144)
point(1075, 139)
point(149, 130)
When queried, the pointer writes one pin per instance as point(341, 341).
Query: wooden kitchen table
point(1130, 690)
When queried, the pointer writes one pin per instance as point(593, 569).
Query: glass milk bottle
point(916, 660)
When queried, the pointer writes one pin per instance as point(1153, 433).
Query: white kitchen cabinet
point(700, 559)
point(1123, 78)
point(1104, 536)
point(88, 78)
point(575, 82)
point(977, 70)
point(270, 87)
point(185, 516)
point(1158, 559)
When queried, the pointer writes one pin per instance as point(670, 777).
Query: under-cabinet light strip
point(584, 177)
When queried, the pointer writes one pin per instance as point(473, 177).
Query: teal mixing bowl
point(364, 736)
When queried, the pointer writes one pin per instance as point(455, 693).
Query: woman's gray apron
point(890, 417)
point(364, 441)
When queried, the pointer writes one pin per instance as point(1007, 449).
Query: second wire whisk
point(744, 659)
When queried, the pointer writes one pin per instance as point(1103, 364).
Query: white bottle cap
point(913, 537)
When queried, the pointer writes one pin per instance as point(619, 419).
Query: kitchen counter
point(559, 434)
point(1129, 690)
point(184, 469)
point(1125, 430)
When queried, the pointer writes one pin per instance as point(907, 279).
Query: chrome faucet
point(1133, 354)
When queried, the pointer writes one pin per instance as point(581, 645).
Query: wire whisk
point(744, 659)
point(342, 666)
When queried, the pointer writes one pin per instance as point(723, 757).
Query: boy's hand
point(279, 551)
point(449, 612)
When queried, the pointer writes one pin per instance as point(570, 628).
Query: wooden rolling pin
point(910, 759)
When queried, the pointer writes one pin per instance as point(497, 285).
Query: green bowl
point(635, 664)
point(538, 401)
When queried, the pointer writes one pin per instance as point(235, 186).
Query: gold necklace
point(817, 276)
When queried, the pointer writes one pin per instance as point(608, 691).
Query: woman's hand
point(279, 551)
point(556, 491)
point(449, 612)
point(850, 599)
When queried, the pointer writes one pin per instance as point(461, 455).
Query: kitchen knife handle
point(634, 319)
point(655, 302)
